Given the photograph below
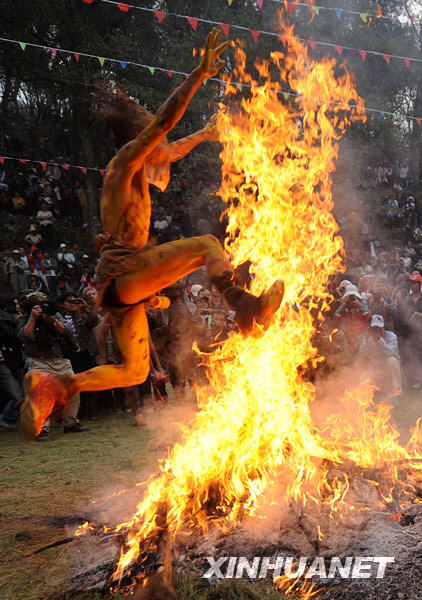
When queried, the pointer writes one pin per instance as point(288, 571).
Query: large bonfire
point(254, 425)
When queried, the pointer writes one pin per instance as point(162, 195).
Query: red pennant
point(160, 15)
point(283, 40)
point(53, 51)
point(225, 29)
point(186, 75)
point(339, 49)
point(83, 169)
point(193, 22)
point(255, 34)
point(43, 164)
point(407, 61)
point(89, 1)
point(2, 160)
point(419, 122)
point(312, 44)
point(387, 58)
point(65, 167)
point(363, 54)
point(102, 172)
point(76, 55)
point(23, 161)
point(170, 74)
point(123, 7)
point(290, 7)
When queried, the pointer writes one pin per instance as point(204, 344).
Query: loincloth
point(116, 258)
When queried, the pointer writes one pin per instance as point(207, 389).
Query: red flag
point(160, 15)
point(43, 164)
point(339, 49)
point(255, 34)
point(387, 58)
point(419, 122)
point(363, 54)
point(2, 160)
point(89, 1)
point(225, 28)
point(290, 7)
point(76, 55)
point(312, 44)
point(186, 75)
point(23, 161)
point(83, 169)
point(123, 7)
point(65, 167)
point(102, 172)
point(407, 61)
point(170, 74)
point(193, 22)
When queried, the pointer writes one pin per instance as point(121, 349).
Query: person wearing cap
point(407, 319)
point(45, 220)
point(33, 237)
point(15, 269)
point(353, 315)
point(380, 352)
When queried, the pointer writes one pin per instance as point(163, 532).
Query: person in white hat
point(353, 315)
point(380, 351)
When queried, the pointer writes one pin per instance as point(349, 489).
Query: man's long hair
point(122, 115)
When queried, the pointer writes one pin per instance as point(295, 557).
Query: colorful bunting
point(382, 113)
point(239, 85)
point(363, 54)
point(230, 2)
point(316, 10)
point(387, 58)
point(88, 1)
point(286, 96)
point(83, 169)
point(22, 160)
point(193, 22)
point(255, 34)
point(65, 167)
point(22, 45)
point(283, 40)
point(160, 15)
point(290, 7)
point(101, 60)
point(123, 7)
point(102, 172)
point(339, 49)
point(364, 17)
point(225, 29)
point(419, 122)
point(44, 164)
point(76, 55)
point(339, 12)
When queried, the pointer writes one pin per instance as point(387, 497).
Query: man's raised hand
point(210, 128)
point(210, 63)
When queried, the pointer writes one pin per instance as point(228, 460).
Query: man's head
point(376, 327)
point(70, 303)
point(415, 283)
point(63, 248)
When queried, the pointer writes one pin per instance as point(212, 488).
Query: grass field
point(45, 487)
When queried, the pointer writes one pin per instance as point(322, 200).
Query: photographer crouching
point(48, 340)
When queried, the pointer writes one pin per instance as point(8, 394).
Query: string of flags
point(44, 164)
point(255, 33)
point(171, 72)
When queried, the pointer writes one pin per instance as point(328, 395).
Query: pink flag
point(339, 49)
point(2, 160)
point(53, 51)
point(387, 58)
point(255, 34)
point(225, 29)
point(23, 161)
point(76, 55)
point(89, 1)
point(283, 40)
point(363, 54)
point(193, 22)
point(419, 122)
point(160, 15)
point(312, 44)
point(260, 3)
point(65, 167)
point(83, 169)
point(170, 74)
point(290, 7)
point(123, 7)
point(102, 172)
point(43, 164)
point(407, 61)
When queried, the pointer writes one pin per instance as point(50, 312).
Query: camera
point(49, 309)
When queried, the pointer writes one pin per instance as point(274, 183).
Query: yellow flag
point(364, 17)
point(101, 60)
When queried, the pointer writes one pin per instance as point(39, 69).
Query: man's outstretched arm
point(183, 146)
point(133, 154)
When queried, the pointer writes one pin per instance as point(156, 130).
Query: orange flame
point(254, 418)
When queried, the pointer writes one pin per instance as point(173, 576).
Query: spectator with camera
point(48, 340)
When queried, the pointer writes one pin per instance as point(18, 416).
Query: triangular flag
point(76, 55)
point(170, 74)
point(123, 7)
point(339, 12)
point(123, 64)
point(230, 2)
point(43, 164)
point(65, 167)
point(53, 51)
point(260, 3)
point(419, 122)
point(160, 15)
point(363, 54)
point(22, 45)
point(407, 61)
point(83, 169)
point(382, 113)
point(286, 95)
point(89, 1)
point(364, 17)
point(102, 172)
point(186, 75)
point(101, 59)
point(225, 29)
point(205, 81)
point(290, 7)
point(151, 70)
point(255, 34)
point(312, 44)
point(23, 161)
point(316, 9)
point(193, 22)
point(339, 49)
point(283, 40)
point(239, 85)
point(2, 160)
point(387, 58)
